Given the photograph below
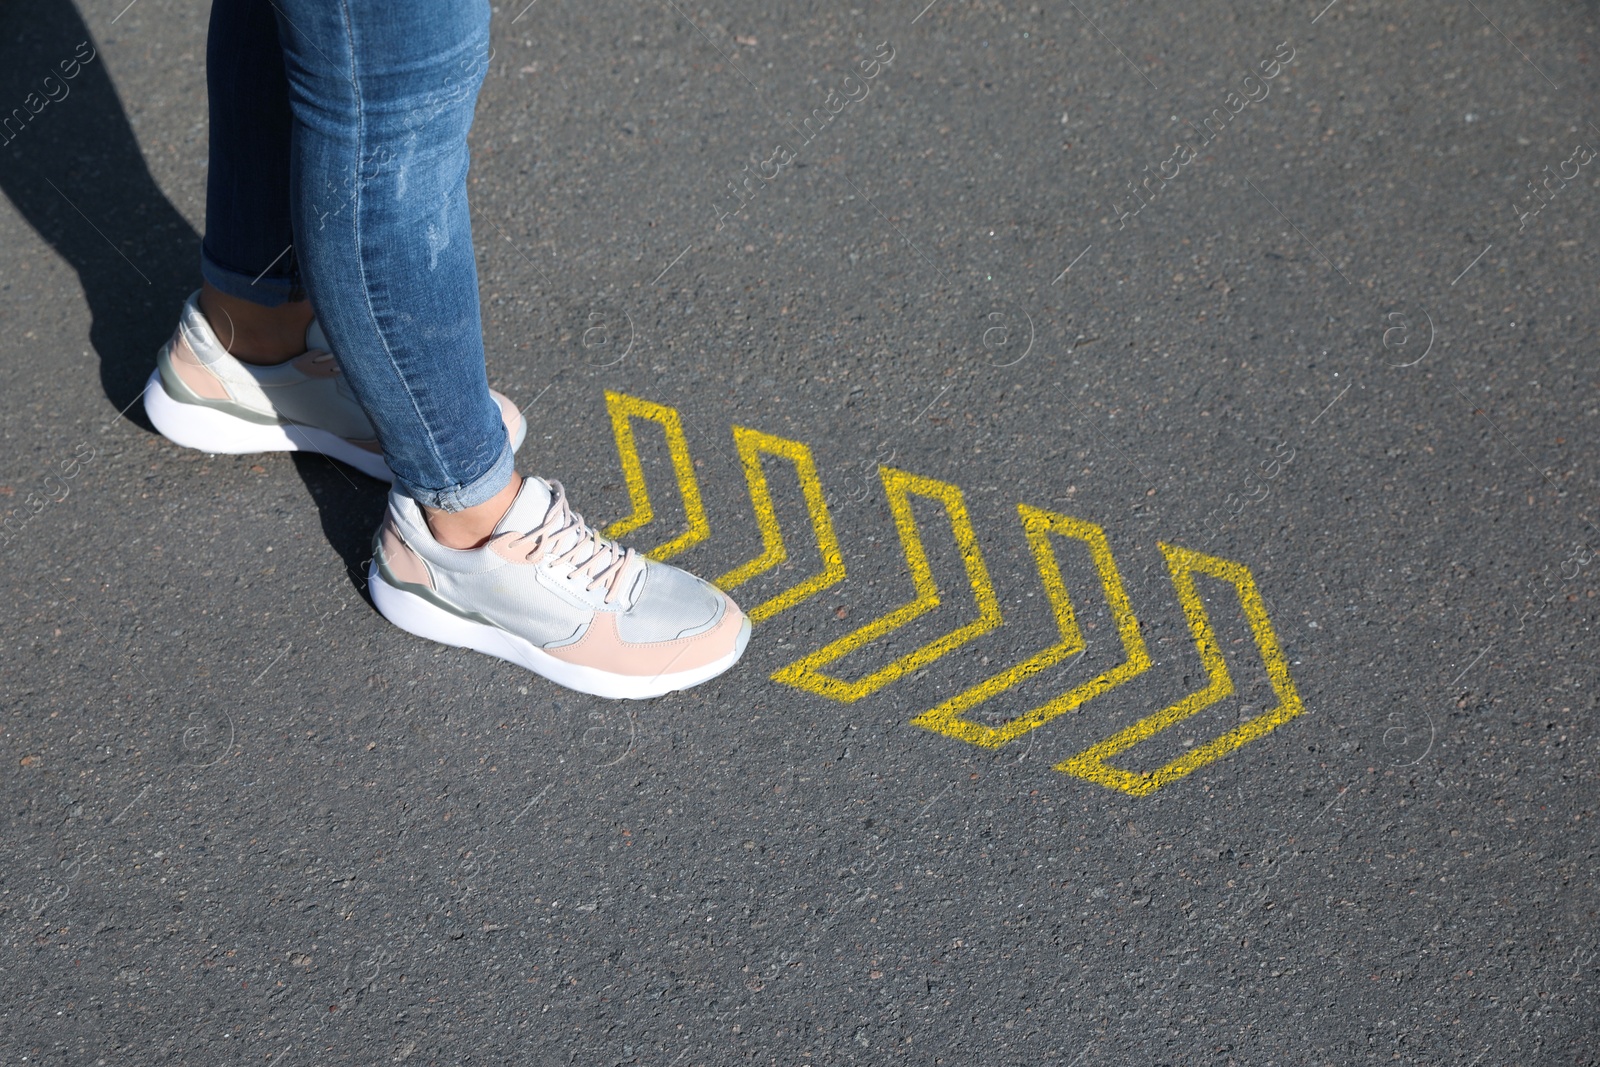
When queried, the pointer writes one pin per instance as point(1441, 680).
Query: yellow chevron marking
point(1091, 762)
point(624, 409)
point(1039, 525)
point(751, 445)
point(899, 485)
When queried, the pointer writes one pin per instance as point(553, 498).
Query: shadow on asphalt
point(350, 506)
point(74, 171)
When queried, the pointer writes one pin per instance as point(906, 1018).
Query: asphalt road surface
point(1159, 440)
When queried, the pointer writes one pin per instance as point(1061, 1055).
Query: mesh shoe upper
point(309, 390)
point(545, 574)
point(670, 603)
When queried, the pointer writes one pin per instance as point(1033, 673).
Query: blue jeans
point(339, 173)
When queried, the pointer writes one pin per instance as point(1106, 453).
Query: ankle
point(254, 333)
point(471, 527)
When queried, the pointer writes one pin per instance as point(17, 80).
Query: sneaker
point(201, 397)
point(548, 593)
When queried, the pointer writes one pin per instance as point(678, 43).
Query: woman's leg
point(382, 94)
point(247, 260)
point(246, 371)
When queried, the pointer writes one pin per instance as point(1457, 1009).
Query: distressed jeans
point(338, 173)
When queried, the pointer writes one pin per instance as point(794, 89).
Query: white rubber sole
point(415, 615)
point(217, 432)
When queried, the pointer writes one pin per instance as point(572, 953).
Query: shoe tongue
point(528, 510)
point(316, 340)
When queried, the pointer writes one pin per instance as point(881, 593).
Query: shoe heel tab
point(186, 374)
point(198, 336)
point(397, 561)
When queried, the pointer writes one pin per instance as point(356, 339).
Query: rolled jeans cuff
point(471, 494)
point(264, 288)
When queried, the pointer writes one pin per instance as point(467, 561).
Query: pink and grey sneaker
point(201, 397)
point(548, 593)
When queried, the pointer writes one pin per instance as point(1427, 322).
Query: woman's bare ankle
point(471, 527)
point(255, 333)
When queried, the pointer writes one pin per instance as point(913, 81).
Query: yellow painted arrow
point(752, 444)
point(1039, 525)
point(623, 410)
point(899, 486)
point(1183, 563)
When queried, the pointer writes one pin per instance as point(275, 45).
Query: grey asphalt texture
point(246, 821)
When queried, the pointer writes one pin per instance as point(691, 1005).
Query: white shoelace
point(604, 563)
